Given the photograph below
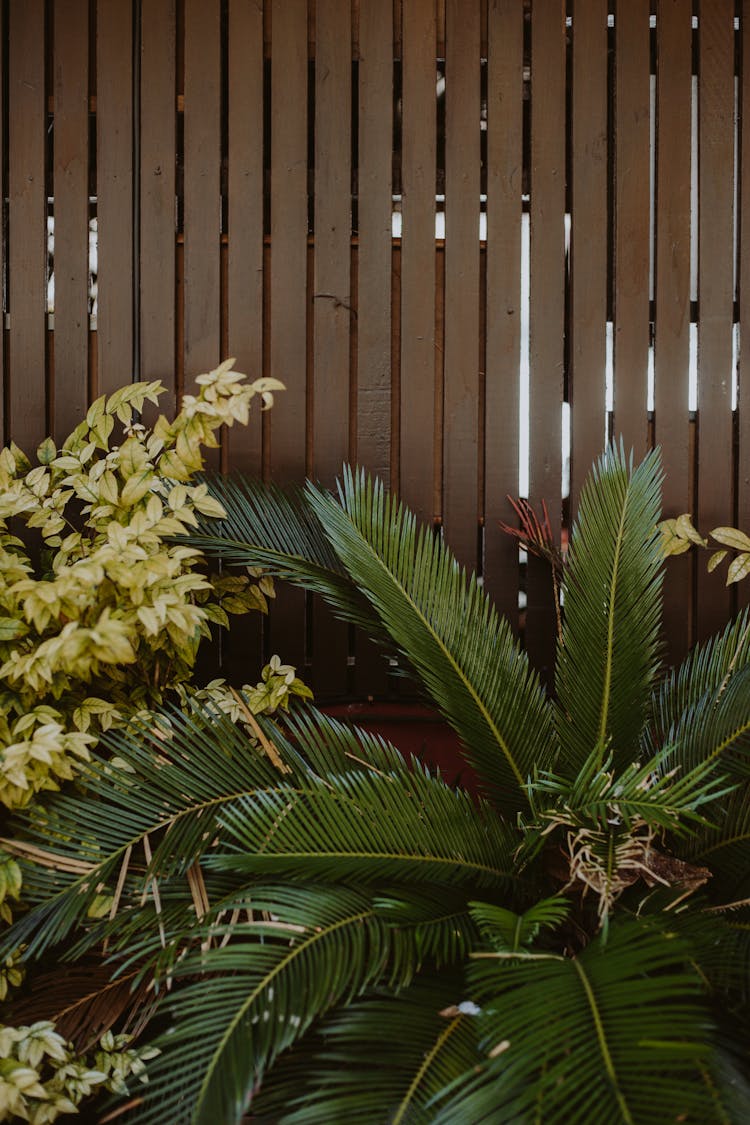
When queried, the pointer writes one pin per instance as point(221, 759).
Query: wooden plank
point(546, 308)
point(71, 212)
point(27, 223)
point(202, 186)
point(114, 186)
point(3, 233)
point(245, 200)
point(373, 437)
point(331, 298)
point(715, 294)
point(743, 473)
point(588, 240)
point(672, 294)
point(503, 343)
point(418, 271)
point(157, 203)
point(242, 645)
point(462, 186)
point(632, 186)
point(288, 345)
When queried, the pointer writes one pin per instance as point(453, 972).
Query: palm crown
point(339, 936)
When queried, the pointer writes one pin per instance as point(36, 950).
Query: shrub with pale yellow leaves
point(101, 611)
point(43, 1079)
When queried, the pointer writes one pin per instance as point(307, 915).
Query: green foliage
point(331, 933)
point(679, 535)
point(43, 1079)
point(100, 614)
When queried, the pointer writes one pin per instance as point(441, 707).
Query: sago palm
point(336, 935)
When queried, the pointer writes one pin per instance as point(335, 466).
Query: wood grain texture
point(331, 299)
point(114, 188)
point(503, 287)
point(157, 198)
point(631, 219)
point(743, 451)
point(461, 355)
point(417, 415)
point(245, 277)
point(289, 306)
point(71, 213)
point(588, 240)
point(28, 422)
point(715, 294)
point(373, 435)
point(547, 307)
point(202, 339)
point(672, 293)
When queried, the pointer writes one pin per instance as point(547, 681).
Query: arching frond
point(608, 657)
point(709, 666)
point(280, 531)
point(323, 946)
point(617, 1034)
point(466, 657)
point(384, 1059)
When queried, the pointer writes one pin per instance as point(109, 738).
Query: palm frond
point(608, 656)
point(465, 656)
point(367, 827)
point(279, 530)
point(725, 848)
point(508, 931)
point(362, 1067)
point(716, 727)
point(617, 1034)
point(265, 989)
point(174, 778)
point(709, 666)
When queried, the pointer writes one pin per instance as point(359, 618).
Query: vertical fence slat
point(372, 440)
point(71, 212)
point(114, 188)
point(503, 345)
point(588, 240)
point(241, 646)
point(245, 199)
point(743, 474)
point(3, 231)
point(715, 293)
point(461, 379)
point(331, 298)
point(418, 259)
point(374, 208)
point(27, 226)
point(631, 220)
point(157, 188)
point(672, 293)
point(547, 307)
point(288, 281)
point(202, 186)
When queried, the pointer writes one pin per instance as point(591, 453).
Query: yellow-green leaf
point(739, 568)
point(731, 537)
point(716, 558)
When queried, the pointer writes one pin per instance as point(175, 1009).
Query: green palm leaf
point(280, 531)
point(366, 827)
point(362, 1067)
point(703, 672)
point(323, 946)
point(465, 656)
point(608, 657)
point(617, 1034)
point(169, 791)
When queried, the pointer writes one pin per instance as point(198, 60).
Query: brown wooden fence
point(409, 212)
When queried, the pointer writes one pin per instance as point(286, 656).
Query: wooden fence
point(414, 213)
